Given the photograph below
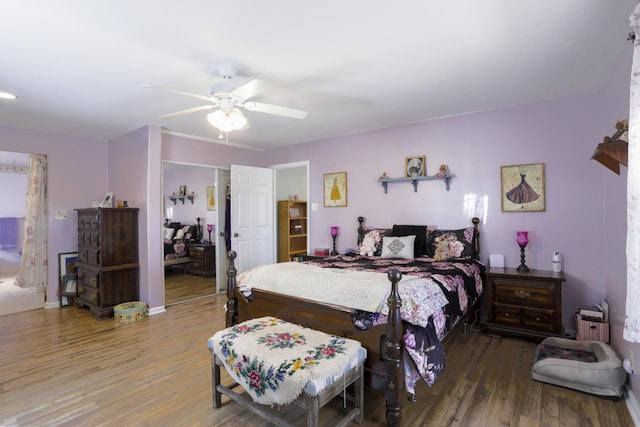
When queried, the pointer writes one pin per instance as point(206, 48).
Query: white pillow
point(167, 233)
point(398, 247)
point(179, 234)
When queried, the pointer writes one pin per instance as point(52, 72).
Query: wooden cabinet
point(202, 260)
point(292, 229)
point(526, 304)
point(107, 258)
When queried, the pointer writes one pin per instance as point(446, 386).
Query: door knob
point(235, 234)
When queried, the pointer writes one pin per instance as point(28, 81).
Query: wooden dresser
point(202, 260)
point(107, 258)
point(525, 304)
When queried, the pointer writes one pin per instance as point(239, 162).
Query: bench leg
point(313, 411)
point(215, 376)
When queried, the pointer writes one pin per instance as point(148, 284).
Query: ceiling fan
point(227, 116)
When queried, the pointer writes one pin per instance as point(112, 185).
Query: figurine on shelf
point(442, 171)
point(384, 175)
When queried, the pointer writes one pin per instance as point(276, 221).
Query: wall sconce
point(613, 151)
point(522, 240)
point(334, 234)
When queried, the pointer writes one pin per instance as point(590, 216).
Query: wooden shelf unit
point(292, 229)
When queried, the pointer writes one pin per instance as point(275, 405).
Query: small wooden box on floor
point(107, 258)
point(525, 304)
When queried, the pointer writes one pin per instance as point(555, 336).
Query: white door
point(252, 218)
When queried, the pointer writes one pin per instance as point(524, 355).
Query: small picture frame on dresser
point(107, 202)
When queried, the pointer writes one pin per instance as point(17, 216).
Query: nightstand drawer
point(538, 319)
point(196, 265)
point(523, 293)
point(507, 314)
point(196, 253)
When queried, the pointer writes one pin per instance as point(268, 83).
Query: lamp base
point(522, 267)
point(334, 251)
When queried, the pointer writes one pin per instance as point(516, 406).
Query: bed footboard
point(384, 371)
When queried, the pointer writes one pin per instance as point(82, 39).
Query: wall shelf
point(414, 181)
point(175, 199)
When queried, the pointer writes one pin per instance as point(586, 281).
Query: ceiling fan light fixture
point(227, 121)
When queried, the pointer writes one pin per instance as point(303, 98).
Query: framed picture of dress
point(335, 189)
point(211, 198)
point(523, 188)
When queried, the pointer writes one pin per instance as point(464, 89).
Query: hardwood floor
point(180, 287)
point(63, 367)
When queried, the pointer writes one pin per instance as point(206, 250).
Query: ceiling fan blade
point(247, 90)
point(187, 111)
point(179, 92)
point(275, 109)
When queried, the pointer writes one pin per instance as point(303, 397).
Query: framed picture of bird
point(522, 188)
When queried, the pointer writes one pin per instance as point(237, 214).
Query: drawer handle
point(506, 315)
point(538, 319)
point(93, 297)
point(522, 294)
point(80, 275)
point(92, 280)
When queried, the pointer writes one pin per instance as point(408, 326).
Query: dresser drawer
point(89, 277)
point(523, 293)
point(89, 294)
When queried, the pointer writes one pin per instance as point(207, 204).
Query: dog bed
point(588, 366)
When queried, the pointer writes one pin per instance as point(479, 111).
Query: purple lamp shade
point(522, 238)
point(334, 231)
point(209, 228)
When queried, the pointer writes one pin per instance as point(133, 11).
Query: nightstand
point(525, 304)
point(202, 260)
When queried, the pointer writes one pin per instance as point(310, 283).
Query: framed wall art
point(335, 189)
point(211, 198)
point(523, 188)
point(415, 166)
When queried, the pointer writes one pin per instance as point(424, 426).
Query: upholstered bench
point(278, 363)
point(589, 366)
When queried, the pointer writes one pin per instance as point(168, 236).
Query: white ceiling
point(78, 66)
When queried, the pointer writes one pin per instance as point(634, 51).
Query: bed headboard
point(476, 235)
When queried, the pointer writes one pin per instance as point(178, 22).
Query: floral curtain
point(33, 263)
point(632, 321)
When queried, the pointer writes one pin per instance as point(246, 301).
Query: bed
point(176, 237)
point(399, 352)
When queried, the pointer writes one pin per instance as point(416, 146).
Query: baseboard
point(632, 405)
point(52, 304)
point(157, 310)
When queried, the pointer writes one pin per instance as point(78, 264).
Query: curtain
point(632, 321)
point(33, 263)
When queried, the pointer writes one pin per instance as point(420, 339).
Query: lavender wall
point(77, 176)
point(197, 179)
point(561, 133)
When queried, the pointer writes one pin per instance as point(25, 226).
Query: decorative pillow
point(416, 230)
point(372, 233)
point(167, 233)
point(179, 234)
point(443, 245)
point(398, 246)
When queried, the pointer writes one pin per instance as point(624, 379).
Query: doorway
point(14, 169)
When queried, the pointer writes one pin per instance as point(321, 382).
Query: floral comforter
point(461, 280)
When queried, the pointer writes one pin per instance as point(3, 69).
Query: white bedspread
point(360, 290)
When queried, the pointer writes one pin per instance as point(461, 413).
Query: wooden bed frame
point(384, 371)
